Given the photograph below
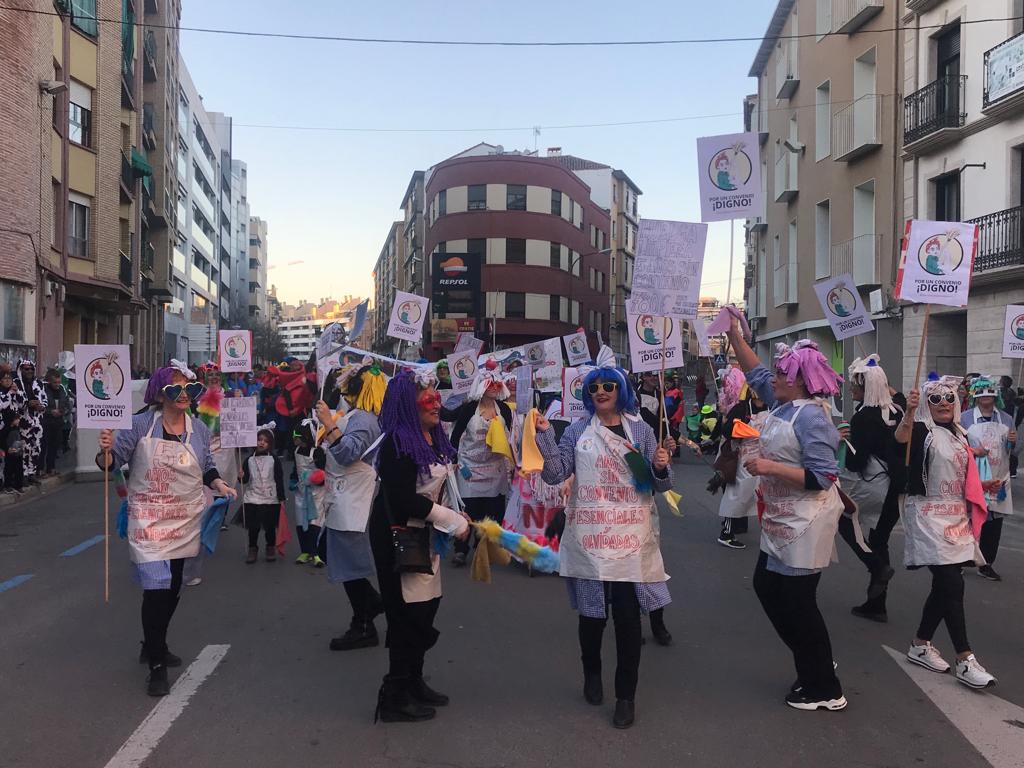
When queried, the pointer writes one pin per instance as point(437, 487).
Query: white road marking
point(993, 726)
point(146, 737)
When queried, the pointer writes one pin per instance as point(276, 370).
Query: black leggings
point(792, 607)
point(263, 516)
point(479, 508)
point(625, 610)
point(308, 541)
point(157, 609)
point(945, 603)
point(991, 533)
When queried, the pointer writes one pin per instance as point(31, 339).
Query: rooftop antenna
point(536, 135)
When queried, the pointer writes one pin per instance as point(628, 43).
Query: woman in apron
point(993, 437)
point(943, 512)
point(169, 462)
point(799, 504)
point(351, 445)
point(414, 462)
point(610, 548)
point(483, 475)
point(739, 498)
point(867, 479)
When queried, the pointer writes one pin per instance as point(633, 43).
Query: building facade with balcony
point(826, 73)
point(239, 244)
point(963, 151)
point(395, 271)
point(413, 228)
point(257, 270)
point(542, 239)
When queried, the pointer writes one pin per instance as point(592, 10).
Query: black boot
point(360, 634)
point(661, 634)
point(593, 687)
point(872, 609)
point(395, 705)
point(625, 712)
point(170, 660)
point(424, 694)
point(156, 683)
point(374, 603)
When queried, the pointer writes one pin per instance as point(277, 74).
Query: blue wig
point(626, 396)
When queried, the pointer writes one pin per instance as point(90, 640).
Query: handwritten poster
point(650, 339)
point(730, 177)
point(524, 388)
point(407, 316)
point(238, 422)
point(938, 263)
point(466, 340)
point(103, 386)
point(235, 348)
point(843, 307)
point(669, 263)
point(1013, 331)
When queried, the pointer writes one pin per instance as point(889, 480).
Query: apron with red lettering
point(937, 528)
point(798, 526)
point(610, 532)
point(165, 497)
point(992, 435)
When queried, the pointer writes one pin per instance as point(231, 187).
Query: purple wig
point(160, 379)
point(400, 418)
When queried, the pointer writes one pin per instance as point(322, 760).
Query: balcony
point(786, 187)
point(757, 224)
point(199, 278)
point(124, 271)
point(202, 202)
point(128, 84)
point(1003, 91)
point(148, 257)
point(785, 284)
point(861, 257)
point(200, 159)
point(148, 126)
point(201, 239)
point(127, 179)
point(857, 129)
point(179, 261)
point(920, 6)
point(149, 69)
point(934, 115)
point(787, 76)
point(850, 15)
point(999, 240)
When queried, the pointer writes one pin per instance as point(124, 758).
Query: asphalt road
point(71, 692)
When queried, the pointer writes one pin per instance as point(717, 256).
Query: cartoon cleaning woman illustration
point(650, 335)
point(98, 380)
point(234, 347)
point(723, 172)
point(1018, 327)
point(933, 251)
point(835, 300)
point(403, 314)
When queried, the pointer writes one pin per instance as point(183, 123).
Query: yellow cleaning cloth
point(487, 551)
point(672, 499)
point(371, 396)
point(497, 440)
point(532, 460)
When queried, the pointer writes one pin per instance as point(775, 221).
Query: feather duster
point(208, 408)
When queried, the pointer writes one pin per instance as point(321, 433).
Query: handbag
point(412, 549)
point(727, 462)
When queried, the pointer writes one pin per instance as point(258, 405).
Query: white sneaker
point(194, 582)
point(928, 656)
point(971, 673)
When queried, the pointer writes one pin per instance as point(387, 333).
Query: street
point(73, 692)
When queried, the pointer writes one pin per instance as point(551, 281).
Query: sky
point(329, 196)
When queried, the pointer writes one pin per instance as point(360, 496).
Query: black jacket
point(464, 413)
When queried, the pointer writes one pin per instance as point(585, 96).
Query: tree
point(267, 345)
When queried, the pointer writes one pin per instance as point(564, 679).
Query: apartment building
point(257, 270)
point(71, 176)
point(829, 119)
point(963, 153)
point(392, 272)
point(300, 326)
point(413, 267)
point(239, 241)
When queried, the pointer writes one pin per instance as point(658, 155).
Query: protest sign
point(462, 370)
point(650, 339)
point(545, 357)
point(730, 177)
point(669, 263)
point(938, 263)
point(843, 308)
point(407, 316)
point(466, 340)
point(359, 320)
point(235, 351)
point(238, 422)
point(524, 388)
point(576, 348)
point(1013, 331)
point(700, 330)
point(572, 392)
point(103, 386)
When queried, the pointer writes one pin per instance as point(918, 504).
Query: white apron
point(226, 460)
point(992, 435)
point(482, 473)
point(937, 528)
point(739, 498)
point(262, 488)
point(420, 587)
point(797, 526)
point(610, 530)
point(867, 489)
point(303, 466)
point(165, 497)
point(349, 490)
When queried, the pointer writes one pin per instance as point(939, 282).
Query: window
point(556, 202)
point(581, 218)
point(254, 263)
point(556, 255)
point(823, 18)
point(56, 194)
point(515, 304)
point(80, 115)
point(477, 197)
point(947, 197)
point(823, 120)
point(12, 321)
point(78, 228)
point(442, 202)
point(822, 239)
point(252, 287)
point(515, 197)
point(515, 250)
point(477, 247)
point(83, 16)
point(555, 307)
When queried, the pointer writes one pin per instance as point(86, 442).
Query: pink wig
point(805, 360)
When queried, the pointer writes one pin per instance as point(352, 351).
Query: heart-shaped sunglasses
point(193, 389)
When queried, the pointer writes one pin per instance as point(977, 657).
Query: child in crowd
point(263, 477)
point(309, 463)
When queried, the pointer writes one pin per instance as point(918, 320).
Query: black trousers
point(158, 607)
point(363, 598)
point(262, 517)
point(946, 603)
point(53, 437)
point(733, 526)
point(625, 612)
point(792, 607)
point(991, 533)
point(14, 471)
point(308, 541)
point(477, 509)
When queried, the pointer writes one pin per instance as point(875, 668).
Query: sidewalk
point(66, 474)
